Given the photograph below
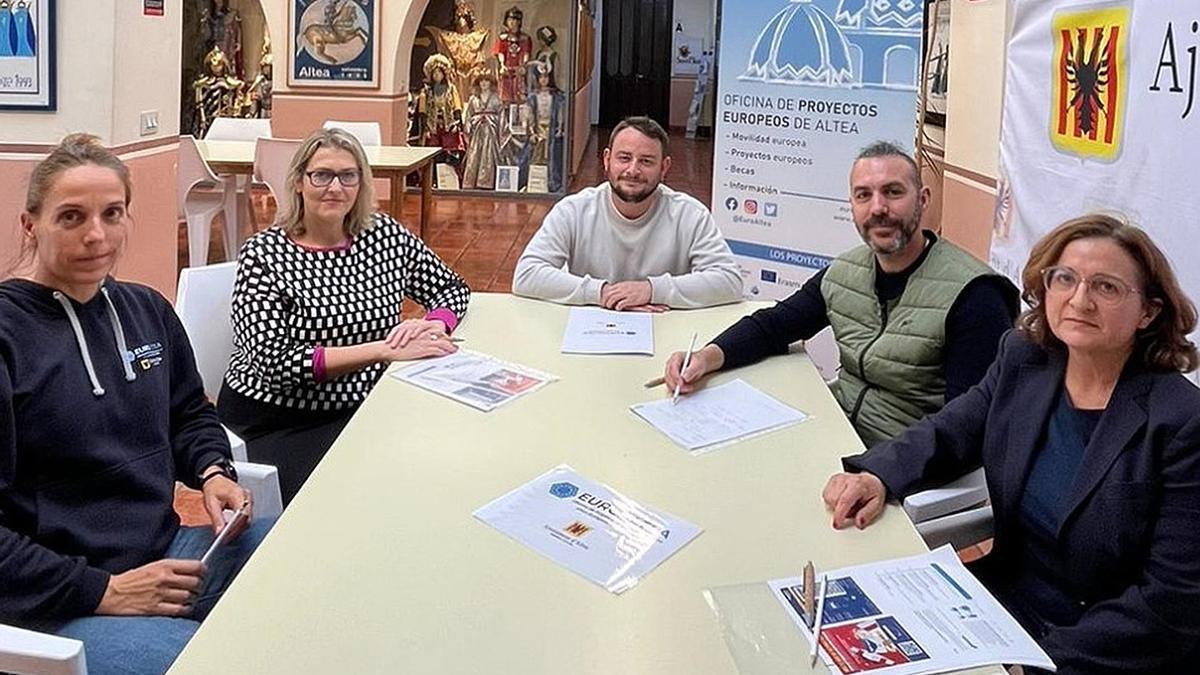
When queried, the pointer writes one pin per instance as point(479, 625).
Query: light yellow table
point(393, 162)
point(379, 567)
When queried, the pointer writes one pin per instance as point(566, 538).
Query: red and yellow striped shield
point(1087, 112)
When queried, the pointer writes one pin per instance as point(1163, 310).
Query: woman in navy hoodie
point(101, 411)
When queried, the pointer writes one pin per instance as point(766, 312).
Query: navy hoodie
point(101, 410)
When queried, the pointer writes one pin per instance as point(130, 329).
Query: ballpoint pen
point(687, 358)
point(817, 624)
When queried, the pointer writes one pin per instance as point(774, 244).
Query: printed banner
point(334, 43)
point(804, 85)
point(27, 54)
point(1100, 114)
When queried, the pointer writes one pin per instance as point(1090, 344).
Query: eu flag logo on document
point(564, 490)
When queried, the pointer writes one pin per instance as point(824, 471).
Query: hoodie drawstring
point(97, 390)
point(119, 334)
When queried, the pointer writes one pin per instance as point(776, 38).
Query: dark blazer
point(1131, 535)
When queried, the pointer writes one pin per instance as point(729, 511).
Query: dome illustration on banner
point(840, 43)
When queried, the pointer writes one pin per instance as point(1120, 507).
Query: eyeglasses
point(1105, 288)
point(323, 177)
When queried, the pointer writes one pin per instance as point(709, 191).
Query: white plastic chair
point(27, 652)
point(202, 195)
point(272, 156)
point(957, 513)
point(367, 133)
point(202, 302)
point(238, 129)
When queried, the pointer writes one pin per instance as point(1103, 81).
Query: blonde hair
point(292, 207)
point(1163, 345)
point(74, 150)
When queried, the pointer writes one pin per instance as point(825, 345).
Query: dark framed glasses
point(323, 177)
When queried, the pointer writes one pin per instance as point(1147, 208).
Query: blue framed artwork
point(334, 43)
point(27, 55)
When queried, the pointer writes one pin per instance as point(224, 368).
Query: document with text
point(601, 331)
point(588, 527)
point(475, 379)
point(924, 614)
point(716, 416)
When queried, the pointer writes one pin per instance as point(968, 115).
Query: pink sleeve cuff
point(445, 316)
point(319, 363)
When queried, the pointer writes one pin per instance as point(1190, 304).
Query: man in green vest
point(917, 320)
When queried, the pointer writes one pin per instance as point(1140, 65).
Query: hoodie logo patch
point(147, 356)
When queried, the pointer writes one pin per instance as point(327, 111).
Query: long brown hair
point(72, 151)
point(1163, 345)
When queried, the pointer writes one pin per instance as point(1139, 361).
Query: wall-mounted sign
point(153, 7)
point(334, 43)
point(27, 55)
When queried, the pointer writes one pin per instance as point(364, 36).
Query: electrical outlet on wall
point(149, 123)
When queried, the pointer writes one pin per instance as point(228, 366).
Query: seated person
point(101, 411)
point(316, 310)
point(1090, 439)
point(632, 243)
point(916, 319)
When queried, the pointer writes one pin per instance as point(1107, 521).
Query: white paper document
point(476, 379)
point(588, 527)
point(924, 614)
point(709, 418)
point(601, 331)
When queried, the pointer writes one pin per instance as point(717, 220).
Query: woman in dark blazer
point(1090, 438)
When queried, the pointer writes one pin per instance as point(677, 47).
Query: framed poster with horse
point(335, 43)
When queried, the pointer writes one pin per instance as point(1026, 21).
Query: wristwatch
point(224, 468)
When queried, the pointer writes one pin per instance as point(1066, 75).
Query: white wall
point(145, 77)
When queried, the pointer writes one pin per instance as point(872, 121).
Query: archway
point(251, 21)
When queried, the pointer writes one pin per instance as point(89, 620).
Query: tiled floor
point(481, 238)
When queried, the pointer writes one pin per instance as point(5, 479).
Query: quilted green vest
point(891, 356)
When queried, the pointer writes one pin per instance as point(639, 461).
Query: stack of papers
point(588, 527)
point(924, 614)
point(600, 331)
point(712, 417)
point(476, 379)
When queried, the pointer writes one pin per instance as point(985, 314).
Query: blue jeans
point(140, 645)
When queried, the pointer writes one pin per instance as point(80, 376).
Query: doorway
point(635, 60)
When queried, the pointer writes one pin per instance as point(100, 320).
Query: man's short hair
point(888, 149)
point(648, 127)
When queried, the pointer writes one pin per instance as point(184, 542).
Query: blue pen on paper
point(687, 358)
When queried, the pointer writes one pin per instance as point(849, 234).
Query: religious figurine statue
point(217, 93)
point(547, 113)
point(466, 46)
point(221, 27)
point(440, 106)
point(482, 120)
point(259, 92)
point(512, 53)
point(545, 54)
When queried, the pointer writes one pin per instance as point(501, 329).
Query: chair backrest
point(272, 156)
point(26, 651)
point(238, 129)
point(203, 305)
point(192, 170)
point(367, 133)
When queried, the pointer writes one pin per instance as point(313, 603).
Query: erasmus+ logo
point(564, 490)
point(1087, 110)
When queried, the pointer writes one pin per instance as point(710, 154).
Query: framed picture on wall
point(334, 43)
point(937, 69)
point(27, 55)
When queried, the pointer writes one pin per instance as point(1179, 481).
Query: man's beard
point(631, 197)
point(905, 229)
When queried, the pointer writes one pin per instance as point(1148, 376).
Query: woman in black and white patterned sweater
point(316, 310)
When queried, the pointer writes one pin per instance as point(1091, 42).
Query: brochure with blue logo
point(923, 614)
point(588, 527)
point(591, 330)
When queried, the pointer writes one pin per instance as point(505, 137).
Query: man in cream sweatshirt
point(631, 243)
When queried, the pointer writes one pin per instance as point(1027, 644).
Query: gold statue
point(440, 106)
point(217, 94)
point(257, 102)
point(466, 46)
